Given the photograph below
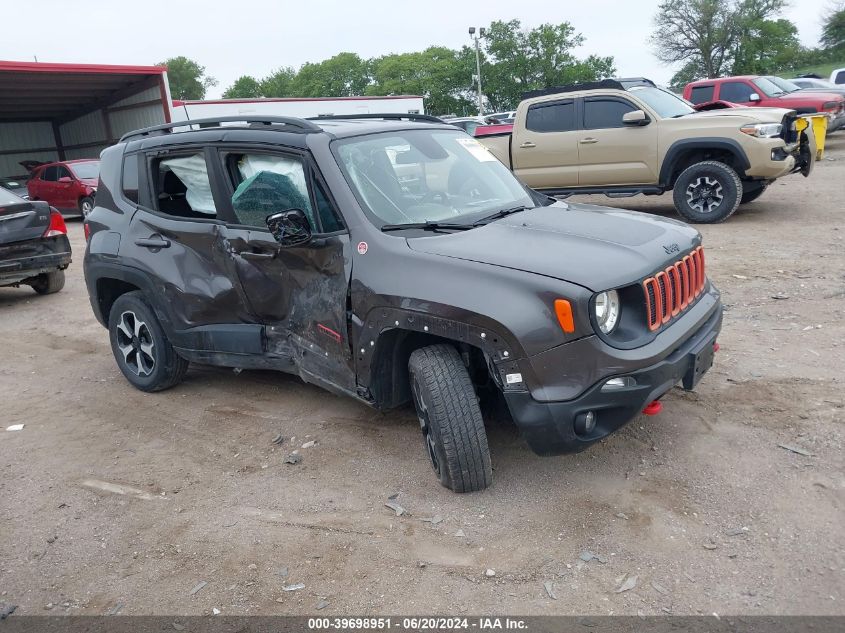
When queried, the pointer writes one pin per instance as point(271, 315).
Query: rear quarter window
point(129, 179)
point(702, 94)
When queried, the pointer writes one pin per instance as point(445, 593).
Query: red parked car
point(69, 185)
point(753, 90)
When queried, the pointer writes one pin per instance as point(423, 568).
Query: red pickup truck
point(753, 90)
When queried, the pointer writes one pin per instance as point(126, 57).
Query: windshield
point(769, 89)
point(428, 175)
point(86, 170)
point(783, 84)
point(664, 103)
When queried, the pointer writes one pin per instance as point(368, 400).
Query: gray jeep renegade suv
point(393, 259)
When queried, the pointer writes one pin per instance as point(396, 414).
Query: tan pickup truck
point(625, 137)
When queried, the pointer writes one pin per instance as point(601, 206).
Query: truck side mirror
point(753, 97)
point(636, 117)
point(289, 227)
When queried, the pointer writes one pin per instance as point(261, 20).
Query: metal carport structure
point(54, 112)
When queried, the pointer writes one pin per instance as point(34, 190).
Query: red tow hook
point(715, 347)
point(653, 408)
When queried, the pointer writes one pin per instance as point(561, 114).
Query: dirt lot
point(701, 503)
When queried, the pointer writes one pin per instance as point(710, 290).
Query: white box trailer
point(304, 108)
point(52, 112)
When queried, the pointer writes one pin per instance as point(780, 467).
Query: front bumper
point(549, 427)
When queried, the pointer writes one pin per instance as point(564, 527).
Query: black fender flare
point(375, 343)
point(678, 148)
point(95, 271)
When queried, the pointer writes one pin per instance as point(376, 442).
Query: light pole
point(481, 32)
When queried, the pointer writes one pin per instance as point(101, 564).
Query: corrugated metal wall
point(25, 137)
point(84, 137)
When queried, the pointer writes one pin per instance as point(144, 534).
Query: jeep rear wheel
point(144, 355)
point(707, 192)
point(450, 418)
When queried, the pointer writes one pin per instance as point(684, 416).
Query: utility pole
point(481, 32)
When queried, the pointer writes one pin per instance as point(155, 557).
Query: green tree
point(441, 75)
point(766, 47)
point(712, 38)
point(343, 75)
point(833, 29)
point(187, 78)
point(245, 87)
point(279, 83)
point(518, 60)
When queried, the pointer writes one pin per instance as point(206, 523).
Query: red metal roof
point(178, 102)
point(41, 67)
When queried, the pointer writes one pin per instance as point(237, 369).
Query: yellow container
point(819, 123)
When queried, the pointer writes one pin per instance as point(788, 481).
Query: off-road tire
point(751, 196)
point(48, 283)
point(450, 418)
point(167, 367)
point(727, 183)
point(86, 203)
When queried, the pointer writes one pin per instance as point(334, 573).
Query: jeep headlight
point(762, 130)
point(606, 307)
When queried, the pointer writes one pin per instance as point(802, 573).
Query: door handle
point(588, 141)
point(527, 145)
point(257, 255)
point(153, 242)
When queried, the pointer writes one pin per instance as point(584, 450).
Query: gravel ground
point(116, 501)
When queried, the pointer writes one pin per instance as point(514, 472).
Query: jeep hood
point(595, 247)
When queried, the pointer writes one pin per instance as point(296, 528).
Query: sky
point(256, 36)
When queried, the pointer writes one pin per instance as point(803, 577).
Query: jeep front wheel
point(141, 348)
point(707, 192)
point(450, 418)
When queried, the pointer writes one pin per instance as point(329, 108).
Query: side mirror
point(753, 97)
point(289, 227)
point(636, 117)
point(65, 179)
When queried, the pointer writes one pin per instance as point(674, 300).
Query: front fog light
point(585, 423)
point(619, 383)
point(606, 307)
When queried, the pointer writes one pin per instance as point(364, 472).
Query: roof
point(34, 91)
point(181, 102)
point(717, 80)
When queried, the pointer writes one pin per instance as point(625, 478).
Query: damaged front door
point(298, 292)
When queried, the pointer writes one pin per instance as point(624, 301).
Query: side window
point(49, 174)
point(605, 113)
point(328, 217)
point(182, 187)
point(702, 94)
point(130, 177)
point(62, 172)
point(736, 92)
point(552, 117)
point(840, 77)
point(266, 184)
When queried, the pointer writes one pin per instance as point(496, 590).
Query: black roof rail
point(392, 116)
point(289, 121)
point(604, 84)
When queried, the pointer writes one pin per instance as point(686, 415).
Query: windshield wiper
point(500, 214)
point(431, 226)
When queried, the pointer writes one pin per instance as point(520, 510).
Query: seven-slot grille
point(671, 291)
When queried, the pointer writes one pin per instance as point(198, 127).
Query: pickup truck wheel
point(707, 192)
point(751, 196)
point(48, 283)
point(450, 418)
point(140, 346)
point(86, 205)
